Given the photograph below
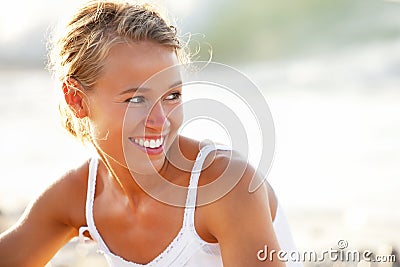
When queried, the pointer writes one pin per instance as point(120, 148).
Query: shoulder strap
point(194, 180)
point(91, 189)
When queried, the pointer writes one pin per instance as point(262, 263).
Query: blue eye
point(173, 96)
point(135, 100)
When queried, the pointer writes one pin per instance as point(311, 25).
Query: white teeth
point(151, 143)
point(158, 142)
point(146, 143)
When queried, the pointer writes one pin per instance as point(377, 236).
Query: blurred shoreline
point(329, 71)
point(335, 169)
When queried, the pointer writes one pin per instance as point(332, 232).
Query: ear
point(74, 97)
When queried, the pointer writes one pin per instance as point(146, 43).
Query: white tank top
point(187, 248)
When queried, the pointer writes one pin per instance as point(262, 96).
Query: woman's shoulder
point(223, 172)
point(228, 178)
point(78, 173)
point(73, 181)
point(66, 197)
point(225, 181)
point(189, 148)
point(221, 169)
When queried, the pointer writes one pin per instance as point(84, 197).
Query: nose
point(157, 118)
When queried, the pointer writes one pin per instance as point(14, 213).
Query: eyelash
point(177, 96)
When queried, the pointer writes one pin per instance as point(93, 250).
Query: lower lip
point(150, 151)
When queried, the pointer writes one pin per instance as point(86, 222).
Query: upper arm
point(42, 230)
point(241, 221)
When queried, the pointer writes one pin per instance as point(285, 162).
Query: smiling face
point(134, 119)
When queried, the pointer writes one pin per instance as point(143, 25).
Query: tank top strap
point(194, 180)
point(91, 189)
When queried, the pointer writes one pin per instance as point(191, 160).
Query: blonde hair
point(81, 49)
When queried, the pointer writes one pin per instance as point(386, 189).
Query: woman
point(107, 52)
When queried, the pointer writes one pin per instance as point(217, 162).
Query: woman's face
point(134, 119)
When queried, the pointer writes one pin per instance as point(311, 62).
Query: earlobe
point(74, 97)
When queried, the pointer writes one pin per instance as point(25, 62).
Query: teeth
point(150, 143)
point(158, 143)
point(146, 143)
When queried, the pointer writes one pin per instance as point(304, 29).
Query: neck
point(168, 185)
point(131, 183)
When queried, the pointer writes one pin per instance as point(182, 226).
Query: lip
point(148, 150)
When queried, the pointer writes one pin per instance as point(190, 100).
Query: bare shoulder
point(224, 171)
point(226, 177)
point(230, 171)
point(64, 200)
point(224, 188)
point(233, 203)
point(48, 223)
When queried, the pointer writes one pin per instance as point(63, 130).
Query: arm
point(241, 221)
point(41, 231)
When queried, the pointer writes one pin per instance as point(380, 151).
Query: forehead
point(133, 63)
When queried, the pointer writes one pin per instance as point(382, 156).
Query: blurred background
point(329, 70)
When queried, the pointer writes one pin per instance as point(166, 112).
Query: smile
point(151, 146)
point(148, 143)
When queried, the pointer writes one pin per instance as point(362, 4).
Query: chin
point(143, 164)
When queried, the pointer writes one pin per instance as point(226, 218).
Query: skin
point(145, 225)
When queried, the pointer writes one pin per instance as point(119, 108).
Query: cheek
point(175, 116)
point(106, 125)
point(107, 135)
point(133, 118)
point(105, 122)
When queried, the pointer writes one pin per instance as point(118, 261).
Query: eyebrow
point(133, 90)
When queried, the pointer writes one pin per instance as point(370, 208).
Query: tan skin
point(138, 227)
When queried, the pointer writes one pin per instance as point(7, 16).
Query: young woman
point(109, 49)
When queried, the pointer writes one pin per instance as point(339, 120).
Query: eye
point(174, 96)
point(135, 100)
